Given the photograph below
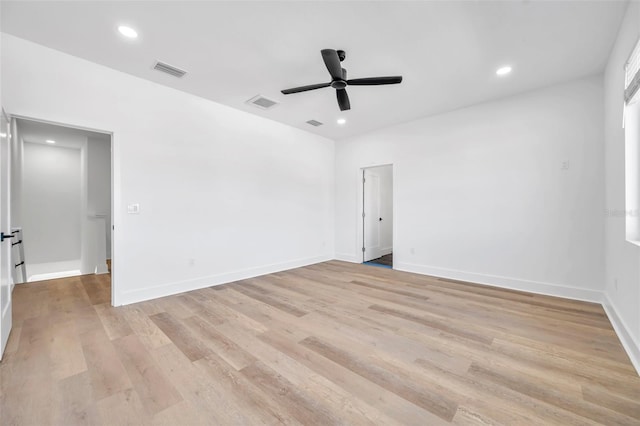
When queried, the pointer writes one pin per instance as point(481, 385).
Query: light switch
point(133, 209)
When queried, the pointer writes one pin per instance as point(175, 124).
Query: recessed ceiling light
point(50, 141)
point(504, 70)
point(341, 121)
point(127, 31)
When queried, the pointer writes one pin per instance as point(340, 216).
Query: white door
point(371, 215)
point(5, 227)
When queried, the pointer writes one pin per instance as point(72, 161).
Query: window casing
point(632, 146)
point(632, 76)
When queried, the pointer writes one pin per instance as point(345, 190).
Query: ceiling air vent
point(169, 69)
point(262, 102)
point(314, 123)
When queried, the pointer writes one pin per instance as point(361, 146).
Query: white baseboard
point(548, 289)
point(52, 270)
point(154, 292)
point(631, 346)
point(385, 251)
point(355, 259)
point(348, 258)
point(628, 342)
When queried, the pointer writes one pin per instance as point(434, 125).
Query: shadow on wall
point(62, 199)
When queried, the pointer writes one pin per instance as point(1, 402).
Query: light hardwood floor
point(333, 343)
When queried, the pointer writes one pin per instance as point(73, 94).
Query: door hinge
point(362, 214)
point(363, 249)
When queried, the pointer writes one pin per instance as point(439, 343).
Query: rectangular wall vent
point(262, 102)
point(314, 123)
point(169, 69)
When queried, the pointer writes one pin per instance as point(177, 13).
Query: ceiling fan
point(332, 59)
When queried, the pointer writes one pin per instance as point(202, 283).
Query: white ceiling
point(66, 137)
point(447, 51)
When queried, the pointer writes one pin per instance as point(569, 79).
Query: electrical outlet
point(615, 284)
point(192, 262)
point(565, 165)
point(413, 250)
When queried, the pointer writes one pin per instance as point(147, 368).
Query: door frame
point(112, 144)
point(6, 313)
point(360, 206)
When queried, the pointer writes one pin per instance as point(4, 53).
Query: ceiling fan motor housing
point(338, 84)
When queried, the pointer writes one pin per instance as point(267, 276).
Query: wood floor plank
point(434, 403)
point(329, 343)
point(275, 302)
point(180, 336)
point(579, 407)
point(155, 391)
point(108, 376)
point(142, 326)
point(437, 324)
point(267, 315)
point(29, 301)
point(14, 340)
point(27, 382)
point(200, 305)
point(219, 305)
point(224, 347)
point(113, 320)
point(605, 398)
point(97, 287)
point(563, 360)
point(306, 380)
point(122, 408)
point(71, 406)
point(381, 406)
point(299, 405)
point(208, 397)
point(182, 413)
point(371, 340)
point(244, 393)
point(490, 403)
point(67, 357)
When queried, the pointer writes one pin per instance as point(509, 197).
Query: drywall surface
point(508, 193)
point(99, 182)
point(51, 200)
point(17, 148)
point(622, 258)
point(222, 194)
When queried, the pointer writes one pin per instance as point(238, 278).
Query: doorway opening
point(377, 216)
point(61, 203)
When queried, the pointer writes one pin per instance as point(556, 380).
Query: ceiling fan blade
point(305, 88)
point(343, 100)
point(332, 61)
point(375, 81)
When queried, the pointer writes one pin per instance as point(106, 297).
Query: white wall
point(480, 193)
point(622, 258)
point(223, 194)
point(17, 147)
point(51, 199)
point(99, 180)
